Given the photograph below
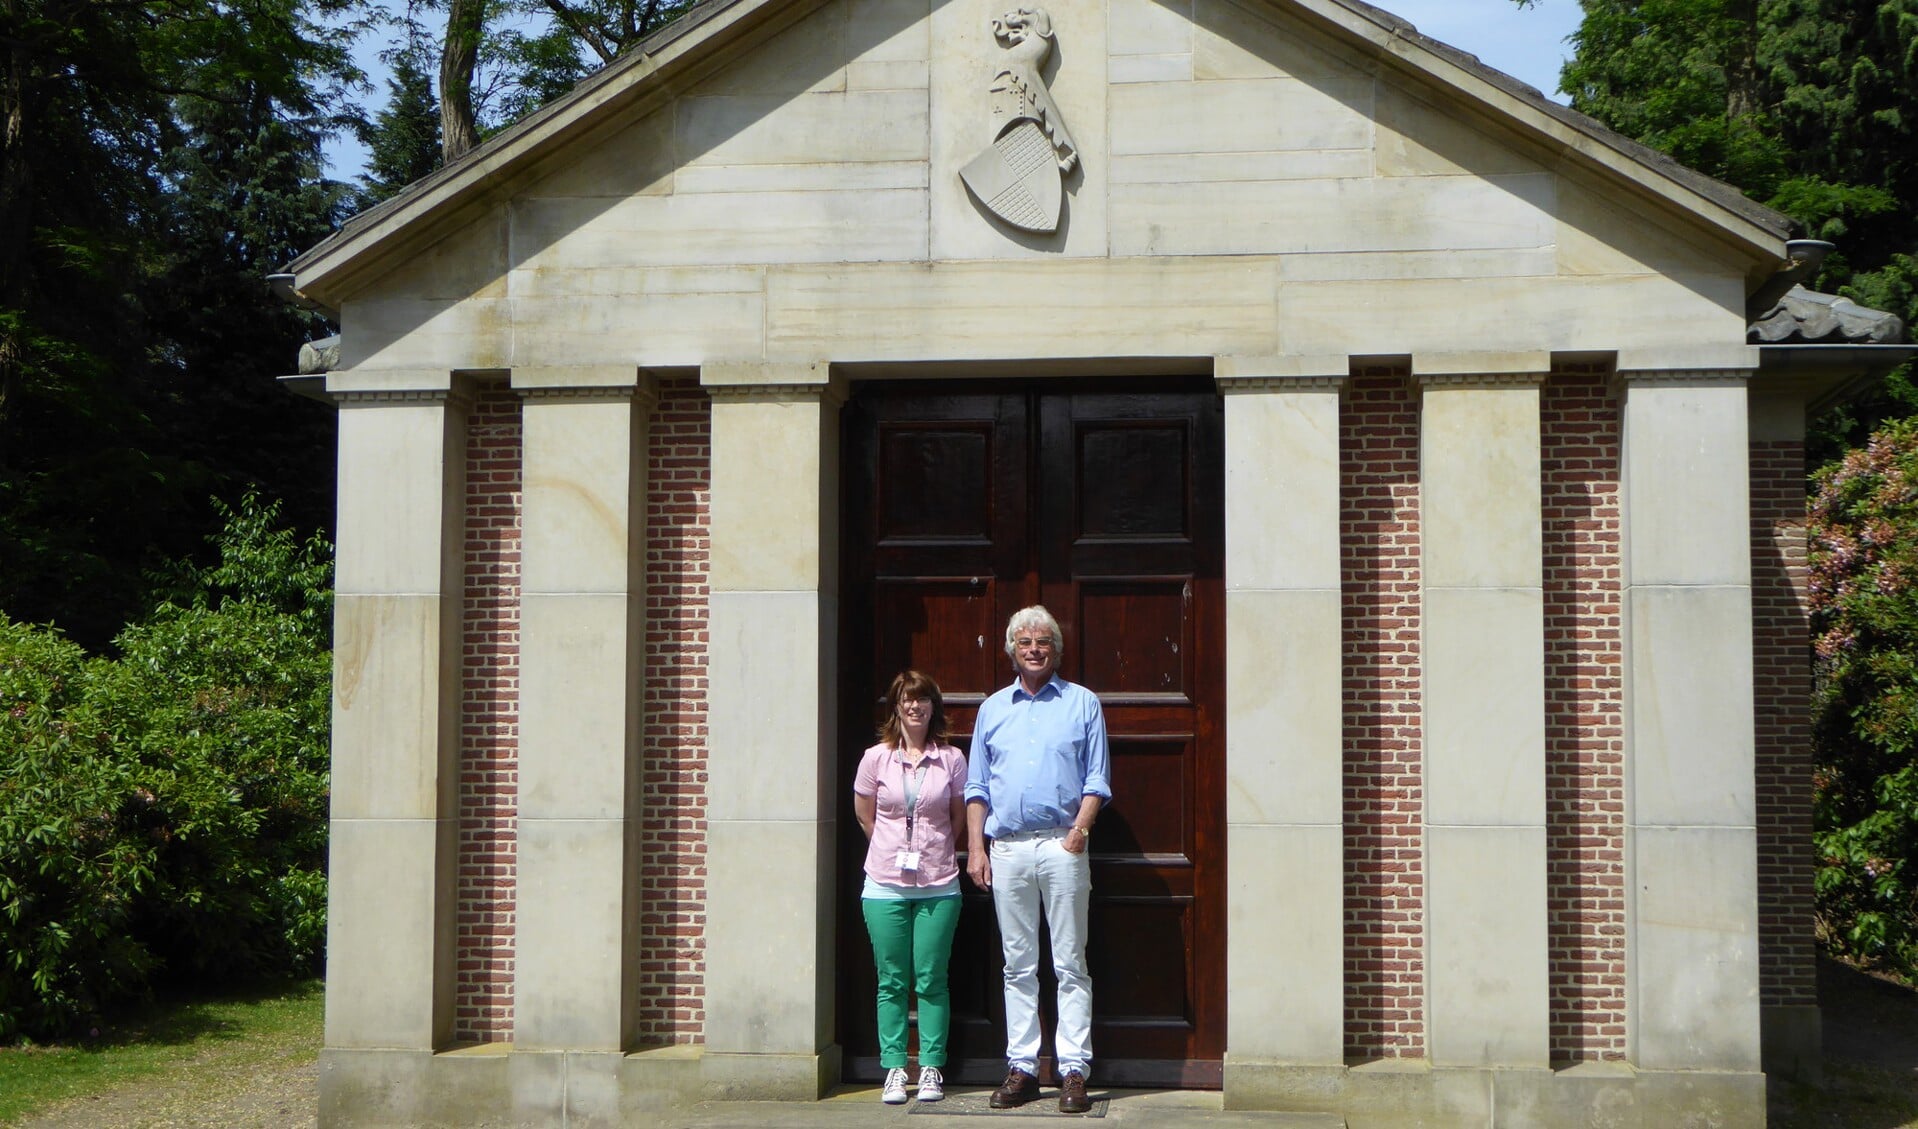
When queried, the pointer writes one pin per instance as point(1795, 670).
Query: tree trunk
point(1741, 65)
point(16, 209)
point(459, 56)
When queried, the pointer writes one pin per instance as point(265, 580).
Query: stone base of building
point(1411, 1094)
point(498, 1087)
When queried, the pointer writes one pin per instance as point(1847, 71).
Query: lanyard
point(910, 783)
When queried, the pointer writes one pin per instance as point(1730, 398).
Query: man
point(1040, 771)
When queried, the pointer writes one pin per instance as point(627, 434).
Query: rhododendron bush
point(163, 812)
point(1864, 596)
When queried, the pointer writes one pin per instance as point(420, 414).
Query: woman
point(910, 799)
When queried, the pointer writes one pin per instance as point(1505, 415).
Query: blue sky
point(1527, 43)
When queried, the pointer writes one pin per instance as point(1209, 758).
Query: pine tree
point(158, 159)
point(404, 140)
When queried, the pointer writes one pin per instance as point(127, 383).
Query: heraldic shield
point(1017, 179)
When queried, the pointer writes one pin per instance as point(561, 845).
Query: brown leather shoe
point(1072, 1094)
point(1019, 1089)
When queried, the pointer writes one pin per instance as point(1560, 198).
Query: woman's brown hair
point(913, 684)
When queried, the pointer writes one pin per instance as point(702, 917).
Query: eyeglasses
point(1033, 644)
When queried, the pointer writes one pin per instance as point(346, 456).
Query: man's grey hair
point(1034, 620)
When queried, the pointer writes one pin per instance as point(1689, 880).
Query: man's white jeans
point(1030, 872)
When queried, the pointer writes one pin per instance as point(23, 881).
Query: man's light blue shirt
point(1035, 756)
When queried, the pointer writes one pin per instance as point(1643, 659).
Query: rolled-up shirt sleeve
point(979, 763)
point(1098, 755)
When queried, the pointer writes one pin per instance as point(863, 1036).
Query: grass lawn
point(210, 1041)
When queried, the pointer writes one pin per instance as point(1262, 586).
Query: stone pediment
point(721, 37)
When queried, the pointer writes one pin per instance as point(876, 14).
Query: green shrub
point(222, 715)
point(1864, 556)
point(167, 810)
point(74, 861)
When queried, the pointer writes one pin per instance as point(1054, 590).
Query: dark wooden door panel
point(964, 504)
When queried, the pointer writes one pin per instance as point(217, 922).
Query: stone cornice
point(829, 395)
point(454, 398)
point(1636, 377)
point(1448, 380)
point(645, 394)
point(1241, 385)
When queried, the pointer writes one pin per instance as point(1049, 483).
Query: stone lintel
point(1426, 382)
point(374, 381)
point(826, 395)
point(582, 379)
point(1285, 373)
point(1471, 369)
point(1725, 358)
point(761, 374)
point(455, 400)
point(1703, 378)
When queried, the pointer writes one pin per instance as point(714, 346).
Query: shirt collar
point(1055, 684)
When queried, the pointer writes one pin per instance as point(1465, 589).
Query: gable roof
point(716, 31)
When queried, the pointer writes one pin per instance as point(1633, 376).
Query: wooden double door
point(966, 502)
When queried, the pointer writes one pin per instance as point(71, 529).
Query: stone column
point(1284, 802)
point(1483, 660)
point(395, 768)
point(583, 556)
point(773, 787)
point(1690, 823)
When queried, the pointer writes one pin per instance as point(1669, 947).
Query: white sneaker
point(895, 1091)
point(932, 1084)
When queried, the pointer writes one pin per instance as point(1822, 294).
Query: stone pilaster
point(583, 556)
point(394, 819)
point(770, 801)
point(1284, 808)
point(1692, 910)
point(1483, 661)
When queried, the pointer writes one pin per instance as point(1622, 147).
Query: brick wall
point(1384, 794)
point(671, 816)
point(1384, 945)
point(1584, 714)
point(1781, 678)
point(672, 883)
point(489, 720)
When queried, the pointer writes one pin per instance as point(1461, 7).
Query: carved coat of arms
point(1020, 178)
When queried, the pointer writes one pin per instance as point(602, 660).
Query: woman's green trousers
point(911, 947)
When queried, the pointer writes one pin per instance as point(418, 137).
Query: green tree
point(608, 28)
point(220, 702)
point(158, 159)
point(73, 865)
point(492, 72)
point(1809, 106)
point(166, 810)
point(403, 142)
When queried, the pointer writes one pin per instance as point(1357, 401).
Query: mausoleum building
point(1416, 467)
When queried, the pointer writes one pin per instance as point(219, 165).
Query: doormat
point(978, 1105)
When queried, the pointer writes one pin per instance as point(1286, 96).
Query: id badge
point(907, 860)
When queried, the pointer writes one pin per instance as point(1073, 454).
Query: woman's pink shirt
point(882, 776)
